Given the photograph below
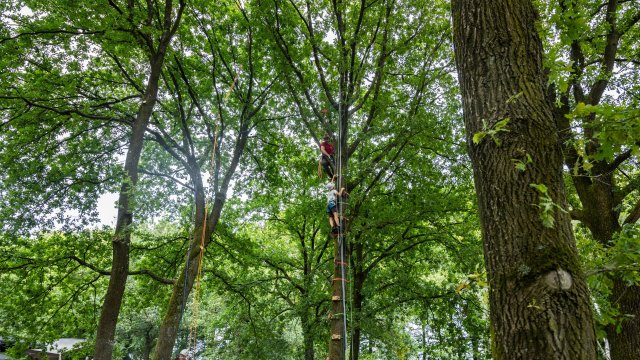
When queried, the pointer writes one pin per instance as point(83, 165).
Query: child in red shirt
point(327, 160)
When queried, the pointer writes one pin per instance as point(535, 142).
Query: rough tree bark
point(122, 236)
point(539, 301)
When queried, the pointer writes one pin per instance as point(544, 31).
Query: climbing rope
point(193, 328)
point(342, 224)
point(186, 270)
point(193, 342)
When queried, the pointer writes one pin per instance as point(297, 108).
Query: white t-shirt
point(331, 195)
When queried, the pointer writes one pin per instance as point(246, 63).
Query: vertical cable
point(341, 236)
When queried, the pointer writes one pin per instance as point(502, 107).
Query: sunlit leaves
point(615, 129)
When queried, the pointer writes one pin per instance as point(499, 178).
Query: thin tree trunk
point(171, 320)
point(122, 236)
point(181, 289)
point(539, 302)
point(307, 335)
point(148, 344)
point(356, 338)
point(307, 324)
point(473, 335)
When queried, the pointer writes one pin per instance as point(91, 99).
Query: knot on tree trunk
point(559, 279)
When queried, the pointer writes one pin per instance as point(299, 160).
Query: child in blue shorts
point(332, 208)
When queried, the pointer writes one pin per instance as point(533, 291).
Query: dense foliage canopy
point(228, 169)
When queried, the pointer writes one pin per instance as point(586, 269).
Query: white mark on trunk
point(559, 279)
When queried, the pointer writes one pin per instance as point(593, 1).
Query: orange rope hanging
point(196, 295)
point(193, 339)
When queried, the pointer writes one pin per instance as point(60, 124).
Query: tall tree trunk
point(473, 333)
point(122, 236)
point(539, 302)
point(600, 214)
point(337, 344)
point(356, 338)
point(148, 344)
point(599, 195)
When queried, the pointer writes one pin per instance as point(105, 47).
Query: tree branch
point(171, 178)
point(107, 273)
point(56, 31)
point(608, 58)
point(634, 215)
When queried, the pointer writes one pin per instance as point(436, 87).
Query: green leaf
point(542, 188)
point(477, 137)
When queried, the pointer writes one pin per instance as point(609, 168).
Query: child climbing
point(326, 159)
point(332, 209)
point(183, 355)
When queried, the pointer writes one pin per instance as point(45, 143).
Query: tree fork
point(120, 265)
